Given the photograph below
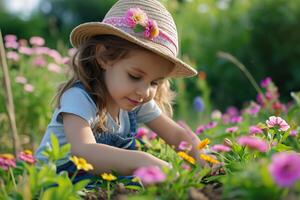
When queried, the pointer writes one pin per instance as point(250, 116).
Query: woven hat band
point(162, 39)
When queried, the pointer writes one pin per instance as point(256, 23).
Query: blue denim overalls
point(113, 139)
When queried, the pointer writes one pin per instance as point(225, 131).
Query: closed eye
point(134, 77)
point(137, 78)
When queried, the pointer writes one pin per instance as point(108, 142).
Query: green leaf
point(133, 187)
point(55, 145)
point(296, 97)
point(81, 184)
point(138, 28)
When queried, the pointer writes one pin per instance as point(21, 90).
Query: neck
point(114, 111)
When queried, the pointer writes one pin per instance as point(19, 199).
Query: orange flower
point(201, 75)
point(203, 143)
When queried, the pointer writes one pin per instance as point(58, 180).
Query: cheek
point(152, 93)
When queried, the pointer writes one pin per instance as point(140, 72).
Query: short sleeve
point(148, 112)
point(77, 101)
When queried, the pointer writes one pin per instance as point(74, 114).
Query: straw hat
point(146, 23)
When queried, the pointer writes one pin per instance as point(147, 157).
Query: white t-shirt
point(77, 101)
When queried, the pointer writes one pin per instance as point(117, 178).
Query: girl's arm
point(173, 134)
point(104, 158)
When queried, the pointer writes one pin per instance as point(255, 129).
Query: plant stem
point(13, 178)
point(9, 102)
point(232, 59)
point(74, 175)
point(108, 190)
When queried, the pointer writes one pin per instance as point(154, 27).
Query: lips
point(134, 102)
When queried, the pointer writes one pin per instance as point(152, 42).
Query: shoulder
point(75, 94)
point(147, 111)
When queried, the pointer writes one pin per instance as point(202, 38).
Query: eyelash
point(138, 78)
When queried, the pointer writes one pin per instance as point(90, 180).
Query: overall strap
point(133, 123)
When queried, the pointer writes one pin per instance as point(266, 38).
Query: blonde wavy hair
point(86, 69)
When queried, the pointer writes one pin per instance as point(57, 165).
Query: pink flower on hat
point(277, 122)
point(136, 16)
point(151, 30)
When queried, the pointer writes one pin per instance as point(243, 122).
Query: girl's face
point(134, 79)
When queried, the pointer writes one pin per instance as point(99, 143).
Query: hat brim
point(85, 31)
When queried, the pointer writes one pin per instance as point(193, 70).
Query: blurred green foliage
point(262, 34)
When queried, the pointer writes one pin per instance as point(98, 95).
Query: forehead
point(149, 63)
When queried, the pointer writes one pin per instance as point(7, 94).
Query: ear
point(100, 48)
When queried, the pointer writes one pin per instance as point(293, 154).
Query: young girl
point(120, 78)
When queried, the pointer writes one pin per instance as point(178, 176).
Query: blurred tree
point(64, 15)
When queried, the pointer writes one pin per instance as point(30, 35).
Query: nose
point(143, 91)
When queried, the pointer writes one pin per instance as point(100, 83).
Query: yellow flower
point(7, 156)
point(136, 179)
point(203, 143)
point(208, 158)
point(28, 152)
point(108, 177)
point(81, 163)
point(186, 157)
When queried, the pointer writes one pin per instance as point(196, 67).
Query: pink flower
point(141, 132)
point(26, 156)
point(255, 130)
point(220, 148)
point(226, 118)
point(28, 88)
point(265, 82)
point(253, 143)
point(52, 67)
point(236, 119)
point(13, 45)
point(10, 38)
point(41, 50)
point(277, 122)
point(152, 135)
point(21, 79)
point(211, 125)
point(151, 30)
point(260, 99)
point(285, 168)
point(232, 111)
point(37, 41)
point(39, 61)
point(231, 129)
point(25, 50)
point(185, 146)
point(293, 133)
point(150, 175)
point(200, 129)
point(136, 16)
point(55, 55)
point(6, 161)
point(253, 109)
point(185, 166)
point(12, 55)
